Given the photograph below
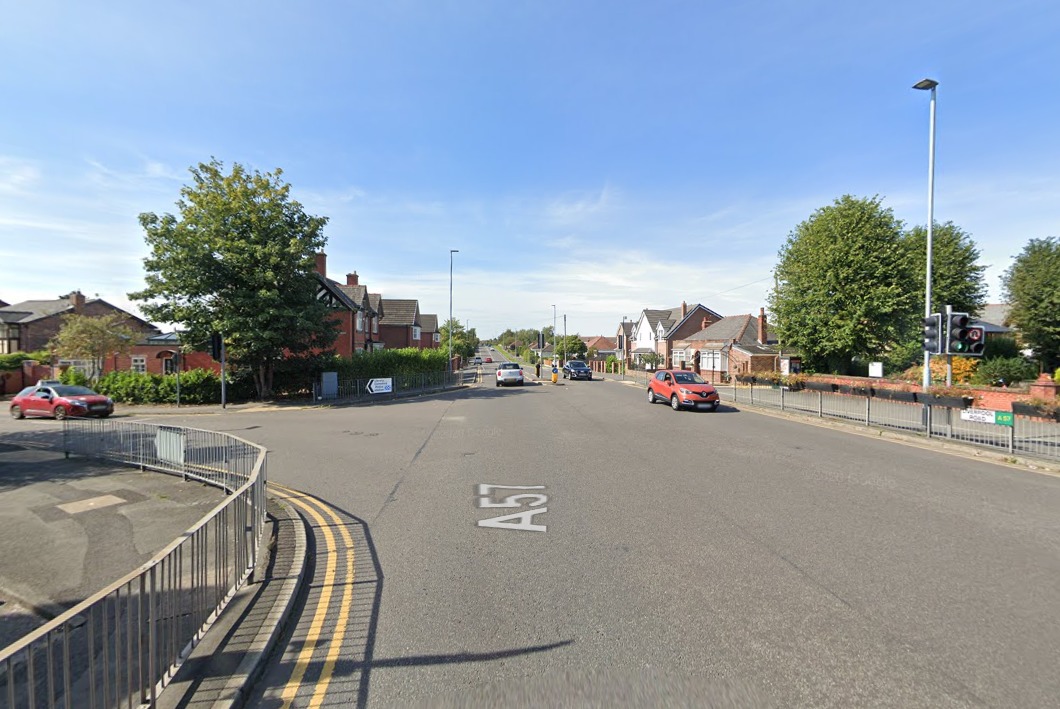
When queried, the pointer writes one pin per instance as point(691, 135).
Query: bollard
point(555, 375)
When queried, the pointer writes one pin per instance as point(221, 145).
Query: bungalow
point(737, 344)
point(30, 325)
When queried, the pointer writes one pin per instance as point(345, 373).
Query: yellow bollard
point(555, 375)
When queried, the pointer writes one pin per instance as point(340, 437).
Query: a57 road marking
point(523, 521)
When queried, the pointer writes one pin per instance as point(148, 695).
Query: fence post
point(1012, 436)
point(868, 410)
point(781, 398)
point(820, 404)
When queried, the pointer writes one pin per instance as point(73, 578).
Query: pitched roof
point(602, 343)
point(336, 290)
point(429, 322)
point(627, 327)
point(375, 302)
point(30, 310)
point(740, 328)
point(400, 312)
point(994, 317)
point(357, 294)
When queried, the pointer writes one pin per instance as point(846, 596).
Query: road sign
point(380, 386)
point(1000, 418)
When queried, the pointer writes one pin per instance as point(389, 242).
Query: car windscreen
point(578, 365)
point(69, 390)
point(509, 365)
point(688, 378)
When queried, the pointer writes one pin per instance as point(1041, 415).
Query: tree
point(94, 338)
point(956, 279)
point(1031, 285)
point(844, 285)
point(956, 275)
point(465, 342)
point(240, 261)
point(569, 347)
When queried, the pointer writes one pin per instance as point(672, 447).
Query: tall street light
point(451, 252)
point(929, 85)
point(553, 336)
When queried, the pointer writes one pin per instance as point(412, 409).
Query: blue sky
point(601, 156)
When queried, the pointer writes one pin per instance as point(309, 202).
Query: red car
point(488, 360)
point(60, 401)
point(683, 389)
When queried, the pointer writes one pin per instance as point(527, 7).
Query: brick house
point(430, 338)
point(156, 354)
point(351, 309)
point(400, 325)
point(656, 331)
point(29, 326)
point(737, 344)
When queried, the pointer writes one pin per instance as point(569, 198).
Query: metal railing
point(121, 646)
point(400, 385)
point(1032, 436)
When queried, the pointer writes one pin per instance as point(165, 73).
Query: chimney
point(351, 279)
point(684, 309)
point(761, 326)
point(78, 301)
point(322, 264)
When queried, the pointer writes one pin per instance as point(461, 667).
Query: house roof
point(602, 343)
point(356, 294)
point(375, 302)
point(337, 290)
point(671, 318)
point(400, 312)
point(993, 318)
point(757, 349)
point(429, 322)
point(626, 327)
point(30, 310)
point(740, 328)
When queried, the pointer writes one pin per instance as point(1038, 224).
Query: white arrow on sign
point(380, 386)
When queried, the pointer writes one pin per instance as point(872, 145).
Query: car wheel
point(674, 403)
point(651, 396)
point(16, 412)
point(59, 413)
point(498, 383)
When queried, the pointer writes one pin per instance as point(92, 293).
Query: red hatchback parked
point(60, 401)
point(683, 389)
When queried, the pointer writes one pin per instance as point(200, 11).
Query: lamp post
point(929, 85)
point(553, 336)
point(451, 252)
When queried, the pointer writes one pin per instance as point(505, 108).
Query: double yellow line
point(316, 635)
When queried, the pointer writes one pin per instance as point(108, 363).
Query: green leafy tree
point(239, 260)
point(570, 347)
point(956, 275)
point(94, 338)
point(465, 342)
point(844, 285)
point(1032, 287)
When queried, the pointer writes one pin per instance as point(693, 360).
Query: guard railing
point(121, 646)
point(1039, 437)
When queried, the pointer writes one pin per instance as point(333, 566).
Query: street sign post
point(380, 386)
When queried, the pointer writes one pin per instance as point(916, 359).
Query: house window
point(678, 358)
point(375, 326)
point(438, 338)
point(712, 360)
point(360, 321)
point(415, 333)
point(139, 364)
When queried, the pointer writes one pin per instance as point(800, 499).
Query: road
point(671, 557)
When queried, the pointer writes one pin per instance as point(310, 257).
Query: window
point(375, 326)
point(437, 337)
point(678, 358)
point(415, 332)
point(712, 360)
point(360, 321)
point(169, 366)
point(139, 364)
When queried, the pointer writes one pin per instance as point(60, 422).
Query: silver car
point(509, 373)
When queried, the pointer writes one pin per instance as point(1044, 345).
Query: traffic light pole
point(949, 356)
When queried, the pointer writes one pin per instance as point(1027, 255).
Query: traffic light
point(215, 346)
point(933, 333)
point(957, 339)
point(976, 340)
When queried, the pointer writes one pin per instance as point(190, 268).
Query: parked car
point(576, 369)
point(683, 389)
point(509, 373)
point(60, 401)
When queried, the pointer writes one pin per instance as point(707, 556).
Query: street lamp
point(451, 252)
point(929, 85)
point(553, 336)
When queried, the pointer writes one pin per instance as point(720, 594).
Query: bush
point(15, 359)
point(74, 377)
point(1004, 370)
point(198, 386)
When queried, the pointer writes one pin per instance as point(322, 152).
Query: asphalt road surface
point(654, 557)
